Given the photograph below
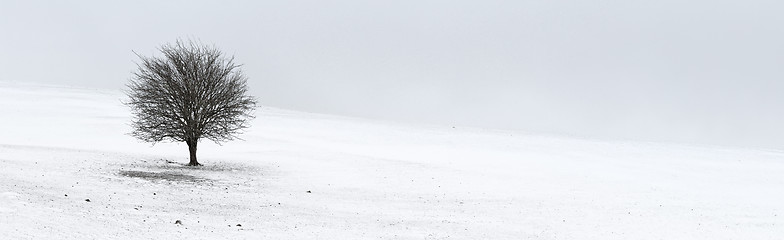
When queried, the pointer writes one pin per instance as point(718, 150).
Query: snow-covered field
point(310, 176)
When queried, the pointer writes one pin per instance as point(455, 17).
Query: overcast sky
point(702, 71)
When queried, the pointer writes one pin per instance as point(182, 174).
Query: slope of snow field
point(310, 176)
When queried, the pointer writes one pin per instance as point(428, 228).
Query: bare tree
point(190, 93)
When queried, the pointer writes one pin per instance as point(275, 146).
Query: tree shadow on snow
point(158, 176)
point(163, 170)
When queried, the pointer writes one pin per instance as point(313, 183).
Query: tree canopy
point(190, 93)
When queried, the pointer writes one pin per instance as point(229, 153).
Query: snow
point(368, 179)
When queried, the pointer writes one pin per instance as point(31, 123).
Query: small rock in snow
point(87, 200)
point(178, 222)
point(309, 191)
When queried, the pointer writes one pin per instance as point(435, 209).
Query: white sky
point(691, 71)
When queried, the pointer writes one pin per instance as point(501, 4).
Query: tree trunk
point(192, 150)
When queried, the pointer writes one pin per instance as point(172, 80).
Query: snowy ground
point(310, 176)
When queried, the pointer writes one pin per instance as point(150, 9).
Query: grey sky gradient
point(690, 71)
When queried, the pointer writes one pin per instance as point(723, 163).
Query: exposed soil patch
point(167, 176)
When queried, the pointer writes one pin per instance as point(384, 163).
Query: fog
point(705, 72)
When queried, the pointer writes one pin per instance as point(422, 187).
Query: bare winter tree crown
point(192, 92)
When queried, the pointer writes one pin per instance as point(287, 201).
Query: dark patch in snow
point(168, 176)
